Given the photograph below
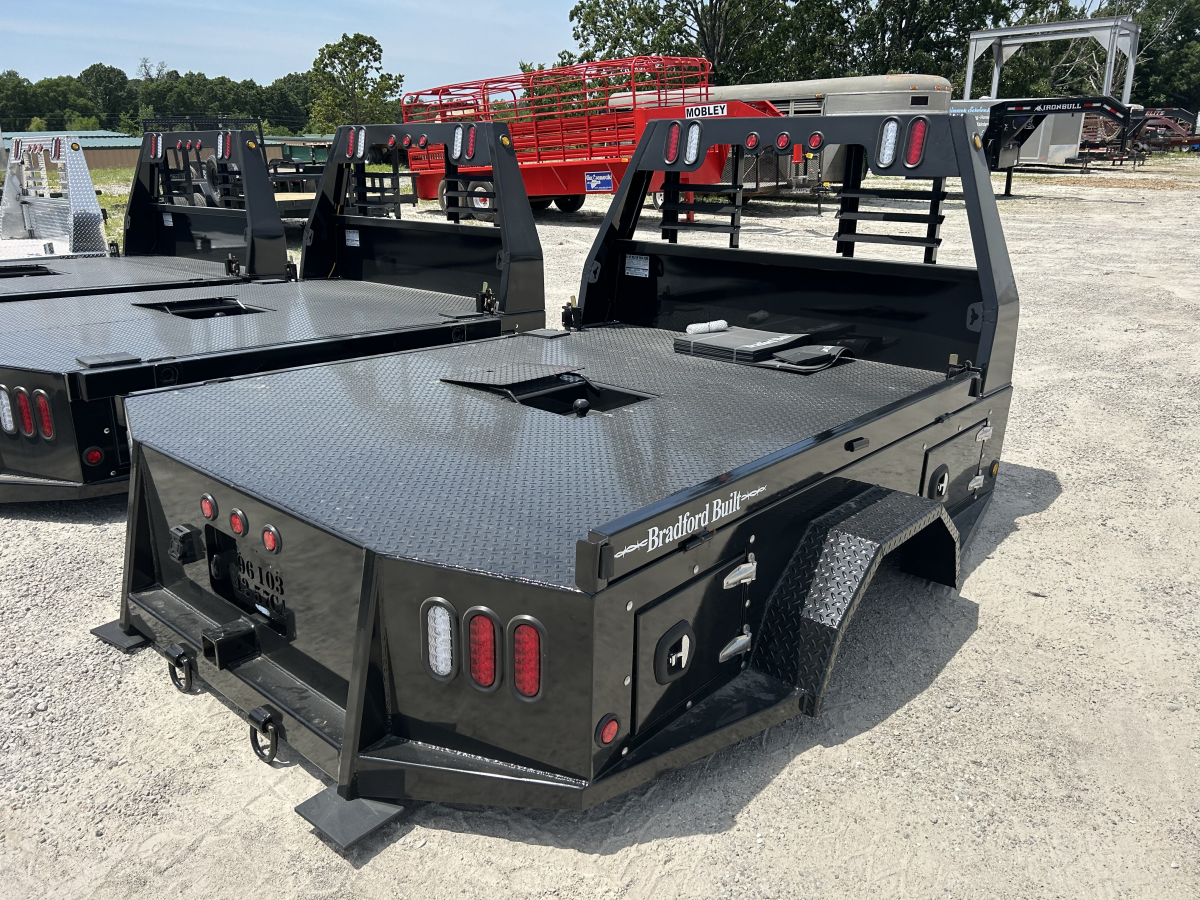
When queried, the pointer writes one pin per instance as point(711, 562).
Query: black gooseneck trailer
point(544, 569)
point(66, 362)
point(181, 229)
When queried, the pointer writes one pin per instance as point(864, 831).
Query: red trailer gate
point(574, 127)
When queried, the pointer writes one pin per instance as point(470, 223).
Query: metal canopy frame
point(1117, 34)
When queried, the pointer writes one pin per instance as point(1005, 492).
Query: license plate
point(259, 583)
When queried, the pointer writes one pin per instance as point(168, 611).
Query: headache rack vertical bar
point(735, 236)
point(934, 232)
point(670, 216)
point(851, 182)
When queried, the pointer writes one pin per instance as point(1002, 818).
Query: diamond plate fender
point(810, 606)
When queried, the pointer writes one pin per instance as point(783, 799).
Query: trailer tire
point(570, 203)
point(658, 198)
point(442, 194)
point(540, 203)
point(481, 209)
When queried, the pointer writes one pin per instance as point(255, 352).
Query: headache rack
point(38, 218)
point(207, 195)
point(355, 229)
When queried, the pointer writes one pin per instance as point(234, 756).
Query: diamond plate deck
point(386, 454)
point(295, 311)
point(77, 276)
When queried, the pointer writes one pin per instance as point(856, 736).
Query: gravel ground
point(1032, 735)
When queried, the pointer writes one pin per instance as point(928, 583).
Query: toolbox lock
point(939, 483)
point(185, 544)
point(262, 722)
point(743, 574)
point(674, 653)
point(179, 661)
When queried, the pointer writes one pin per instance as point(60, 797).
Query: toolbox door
point(679, 644)
point(951, 465)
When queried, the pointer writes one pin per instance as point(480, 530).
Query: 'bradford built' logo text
point(689, 523)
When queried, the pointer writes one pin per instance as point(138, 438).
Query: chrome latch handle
point(743, 574)
point(736, 647)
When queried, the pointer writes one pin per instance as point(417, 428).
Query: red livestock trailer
point(574, 127)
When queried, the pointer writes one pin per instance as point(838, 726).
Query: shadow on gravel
point(99, 511)
point(1020, 491)
point(903, 635)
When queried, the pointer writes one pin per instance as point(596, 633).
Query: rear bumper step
point(308, 721)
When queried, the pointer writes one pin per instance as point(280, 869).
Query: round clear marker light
point(456, 149)
point(889, 134)
point(441, 640)
point(692, 150)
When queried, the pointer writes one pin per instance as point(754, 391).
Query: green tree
point(286, 102)
point(349, 85)
point(37, 123)
point(16, 100)
point(108, 89)
point(731, 34)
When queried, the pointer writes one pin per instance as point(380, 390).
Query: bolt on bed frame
point(760, 545)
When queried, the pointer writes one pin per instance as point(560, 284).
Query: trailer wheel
point(570, 203)
point(540, 203)
point(442, 194)
point(481, 207)
point(658, 198)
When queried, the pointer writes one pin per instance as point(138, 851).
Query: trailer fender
point(811, 605)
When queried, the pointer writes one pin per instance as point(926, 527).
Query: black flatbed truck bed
point(667, 574)
point(395, 285)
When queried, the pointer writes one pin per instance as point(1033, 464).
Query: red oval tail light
point(45, 416)
point(674, 134)
point(482, 640)
point(24, 412)
point(914, 148)
point(237, 521)
point(527, 660)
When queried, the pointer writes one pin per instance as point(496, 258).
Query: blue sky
point(431, 43)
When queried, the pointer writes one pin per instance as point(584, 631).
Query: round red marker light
point(271, 539)
point(815, 140)
point(606, 731)
point(783, 141)
point(391, 141)
point(179, 145)
point(407, 142)
point(237, 521)
point(208, 506)
point(611, 727)
point(93, 456)
point(422, 141)
point(752, 140)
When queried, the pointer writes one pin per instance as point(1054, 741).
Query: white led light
point(220, 144)
point(888, 136)
point(441, 649)
point(456, 152)
point(693, 143)
point(362, 142)
point(6, 414)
